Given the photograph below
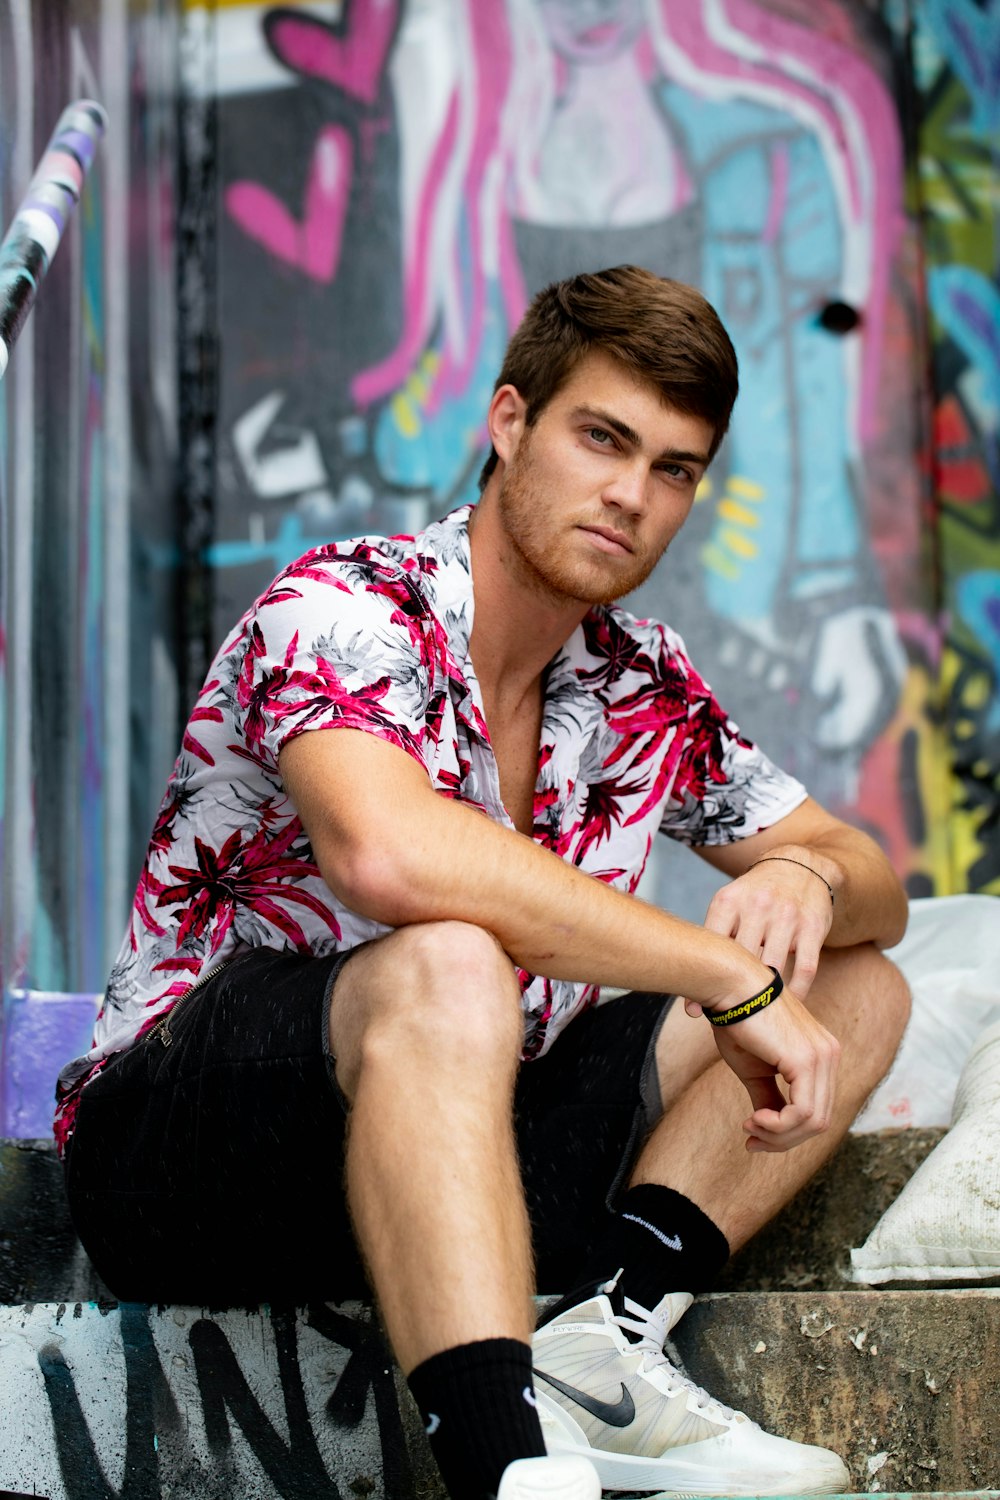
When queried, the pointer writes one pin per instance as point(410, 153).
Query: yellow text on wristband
point(748, 1007)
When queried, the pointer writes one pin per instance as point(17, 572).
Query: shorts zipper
point(162, 1028)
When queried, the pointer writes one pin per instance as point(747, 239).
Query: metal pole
point(54, 191)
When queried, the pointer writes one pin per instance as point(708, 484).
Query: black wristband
point(748, 1007)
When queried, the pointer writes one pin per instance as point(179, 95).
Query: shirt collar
point(573, 708)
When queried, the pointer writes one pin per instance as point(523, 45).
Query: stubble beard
point(536, 562)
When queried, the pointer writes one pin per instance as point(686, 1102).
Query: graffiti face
point(592, 31)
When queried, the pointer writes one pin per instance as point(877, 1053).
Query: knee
point(891, 996)
point(895, 1004)
point(881, 1005)
point(443, 995)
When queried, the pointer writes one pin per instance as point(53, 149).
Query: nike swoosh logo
point(672, 1241)
point(616, 1414)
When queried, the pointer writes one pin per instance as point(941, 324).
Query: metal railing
point(54, 191)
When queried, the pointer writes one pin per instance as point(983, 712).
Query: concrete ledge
point(248, 1405)
point(138, 1401)
point(806, 1248)
point(41, 1259)
point(904, 1385)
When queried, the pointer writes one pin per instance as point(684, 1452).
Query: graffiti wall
point(87, 649)
point(394, 181)
point(955, 189)
point(280, 312)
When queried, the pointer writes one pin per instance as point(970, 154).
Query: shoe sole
point(565, 1477)
point(673, 1478)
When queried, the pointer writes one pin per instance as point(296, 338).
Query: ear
point(506, 420)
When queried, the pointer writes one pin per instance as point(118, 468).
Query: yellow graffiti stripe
point(729, 510)
point(406, 417)
point(704, 490)
point(716, 561)
point(745, 488)
point(419, 383)
point(405, 405)
point(250, 5)
point(742, 545)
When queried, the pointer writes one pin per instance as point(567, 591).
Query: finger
point(777, 1118)
point(765, 1097)
point(826, 1083)
point(722, 917)
point(778, 942)
point(751, 932)
point(767, 1131)
point(776, 1124)
point(806, 962)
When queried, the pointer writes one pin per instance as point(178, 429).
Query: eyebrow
point(629, 435)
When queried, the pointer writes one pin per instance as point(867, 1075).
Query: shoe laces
point(650, 1331)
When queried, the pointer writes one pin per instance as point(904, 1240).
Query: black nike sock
point(662, 1241)
point(478, 1406)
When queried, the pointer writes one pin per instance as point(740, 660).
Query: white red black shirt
point(373, 634)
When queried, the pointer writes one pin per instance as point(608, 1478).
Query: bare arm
point(395, 850)
point(392, 848)
point(778, 904)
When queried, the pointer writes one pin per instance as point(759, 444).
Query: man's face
point(593, 493)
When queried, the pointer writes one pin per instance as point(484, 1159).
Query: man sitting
point(395, 864)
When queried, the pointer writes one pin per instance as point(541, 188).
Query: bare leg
point(698, 1147)
point(426, 1028)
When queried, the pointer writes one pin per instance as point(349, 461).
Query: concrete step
point(248, 1405)
point(131, 1401)
point(904, 1385)
point(805, 1248)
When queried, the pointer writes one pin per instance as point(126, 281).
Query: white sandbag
point(945, 1224)
point(951, 959)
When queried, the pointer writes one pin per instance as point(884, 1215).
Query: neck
point(516, 629)
point(599, 83)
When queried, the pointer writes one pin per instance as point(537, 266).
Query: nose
point(626, 490)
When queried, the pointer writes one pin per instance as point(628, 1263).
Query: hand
point(779, 910)
point(781, 913)
point(784, 1040)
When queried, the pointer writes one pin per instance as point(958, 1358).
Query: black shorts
point(210, 1170)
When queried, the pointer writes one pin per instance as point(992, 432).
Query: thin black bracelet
point(748, 1007)
point(769, 859)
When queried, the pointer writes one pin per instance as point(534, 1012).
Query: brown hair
point(662, 330)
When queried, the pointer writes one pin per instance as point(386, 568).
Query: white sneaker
point(645, 1426)
point(569, 1478)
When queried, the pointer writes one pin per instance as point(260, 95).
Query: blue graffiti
point(969, 35)
point(967, 306)
point(978, 599)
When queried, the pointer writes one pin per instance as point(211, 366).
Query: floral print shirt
point(373, 634)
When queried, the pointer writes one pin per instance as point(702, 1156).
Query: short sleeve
point(335, 643)
point(725, 787)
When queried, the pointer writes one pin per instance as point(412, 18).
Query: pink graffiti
point(353, 62)
point(390, 373)
point(779, 194)
point(843, 78)
point(475, 125)
point(313, 243)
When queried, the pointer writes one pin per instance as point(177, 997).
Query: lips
point(608, 540)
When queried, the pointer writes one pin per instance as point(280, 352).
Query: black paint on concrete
point(155, 1429)
point(41, 1259)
